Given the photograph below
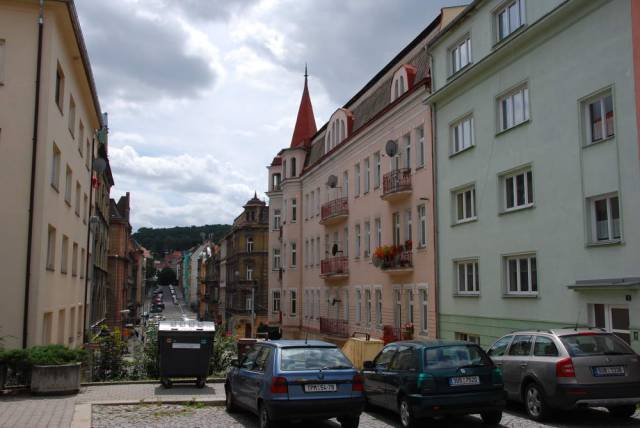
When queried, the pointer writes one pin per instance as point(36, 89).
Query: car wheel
point(263, 414)
point(535, 403)
point(492, 418)
point(349, 421)
point(228, 402)
point(406, 414)
point(622, 411)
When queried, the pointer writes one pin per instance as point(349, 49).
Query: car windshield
point(455, 356)
point(587, 344)
point(313, 358)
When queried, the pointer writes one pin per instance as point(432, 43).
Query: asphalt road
point(172, 311)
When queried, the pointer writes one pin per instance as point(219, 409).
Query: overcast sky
point(201, 94)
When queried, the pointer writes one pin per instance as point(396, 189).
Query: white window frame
point(317, 201)
point(293, 303)
point(378, 225)
point(610, 220)
point(469, 266)
point(529, 195)
point(509, 29)
point(56, 162)
point(294, 254)
point(249, 274)
point(406, 140)
point(462, 135)
point(294, 210)
point(51, 248)
point(469, 213)
point(68, 185)
point(275, 301)
point(419, 131)
point(507, 108)
point(64, 255)
point(346, 304)
point(586, 106)
point(357, 180)
point(422, 225)
point(395, 222)
point(345, 184)
point(357, 243)
point(276, 259)
point(423, 295)
point(277, 219)
point(368, 308)
point(378, 302)
point(408, 225)
point(367, 239)
point(367, 175)
point(377, 171)
point(358, 306)
point(518, 291)
point(460, 54)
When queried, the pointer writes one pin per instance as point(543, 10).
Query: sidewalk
point(33, 412)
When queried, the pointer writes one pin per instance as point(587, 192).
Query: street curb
point(82, 414)
point(144, 382)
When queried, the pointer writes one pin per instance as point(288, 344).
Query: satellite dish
point(391, 148)
point(334, 249)
point(99, 165)
point(332, 181)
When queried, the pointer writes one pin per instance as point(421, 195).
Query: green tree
point(167, 276)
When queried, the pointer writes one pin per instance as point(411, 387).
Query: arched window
point(401, 84)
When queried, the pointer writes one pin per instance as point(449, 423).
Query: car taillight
point(357, 383)
point(279, 385)
point(564, 368)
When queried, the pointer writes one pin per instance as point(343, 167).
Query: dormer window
point(338, 128)
point(402, 81)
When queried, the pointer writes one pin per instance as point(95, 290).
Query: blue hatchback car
point(296, 379)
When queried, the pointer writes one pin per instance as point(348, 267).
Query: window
point(345, 184)
point(514, 108)
point(51, 248)
point(284, 168)
point(378, 294)
point(64, 255)
point(419, 147)
point(410, 306)
point(468, 279)
point(396, 228)
point(68, 185)
point(306, 253)
point(473, 338)
point(465, 201)
point(422, 226)
point(78, 191)
point(367, 239)
point(249, 245)
point(74, 260)
point(346, 305)
point(345, 248)
point(305, 208)
point(500, 347)
point(317, 250)
point(518, 190)
point(367, 307)
point(276, 259)
point(293, 302)
point(378, 225)
point(55, 167)
point(605, 212)
point(408, 226)
point(367, 175)
point(59, 95)
point(407, 151)
point(249, 275)
point(89, 157)
point(293, 255)
point(2, 43)
point(384, 358)
point(294, 210)
point(462, 135)
point(599, 114)
point(276, 219)
point(61, 326)
point(357, 248)
point(377, 173)
point(275, 182)
point(293, 167)
point(358, 305)
point(544, 347)
point(461, 55)
point(521, 274)
point(509, 18)
point(318, 201)
point(72, 115)
point(85, 217)
point(357, 179)
point(82, 262)
point(521, 346)
point(80, 137)
point(424, 310)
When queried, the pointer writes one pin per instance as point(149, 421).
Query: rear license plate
point(608, 371)
point(464, 380)
point(321, 387)
point(177, 345)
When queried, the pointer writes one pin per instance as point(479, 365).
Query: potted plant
point(55, 369)
point(407, 331)
point(17, 366)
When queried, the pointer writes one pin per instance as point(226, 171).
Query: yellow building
point(49, 115)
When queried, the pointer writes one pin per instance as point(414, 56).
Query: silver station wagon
point(568, 368)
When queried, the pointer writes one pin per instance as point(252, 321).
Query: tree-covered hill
point(161, 240)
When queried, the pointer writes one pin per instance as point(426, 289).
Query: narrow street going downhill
point(171, 312)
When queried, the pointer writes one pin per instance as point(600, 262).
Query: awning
point(614, 284)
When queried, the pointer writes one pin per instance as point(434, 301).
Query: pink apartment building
point(351, 241)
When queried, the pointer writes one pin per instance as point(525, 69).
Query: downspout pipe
point(34, 153)
point(88, 258)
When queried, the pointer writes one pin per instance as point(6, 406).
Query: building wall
point(56, 299)
point(565, 172)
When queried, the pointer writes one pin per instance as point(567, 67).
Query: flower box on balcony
point(393, 257)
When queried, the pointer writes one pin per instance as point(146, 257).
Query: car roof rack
point(538, 330)
point(583, 327)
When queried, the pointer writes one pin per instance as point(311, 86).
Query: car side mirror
point(368, 365)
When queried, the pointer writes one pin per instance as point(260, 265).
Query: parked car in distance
point(419, 379)
point(568, 368)
point(155, 309)
point(296, 379)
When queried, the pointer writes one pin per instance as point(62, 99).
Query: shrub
point(224, 351)
point(17, 361)
point(51, 355)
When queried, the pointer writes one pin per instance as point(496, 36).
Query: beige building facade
point(45, 156)
point(351, 242)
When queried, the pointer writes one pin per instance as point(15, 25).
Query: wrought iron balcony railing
point(335, 266)
point(334, 210)
point(396, 183)
point(334, 327)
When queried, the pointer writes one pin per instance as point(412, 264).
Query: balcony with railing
point(334, 267)
point(334, 211)
point(334, 327)
point(394, 259)
point(396, 184)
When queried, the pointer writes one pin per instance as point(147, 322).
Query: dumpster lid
point(190, 325)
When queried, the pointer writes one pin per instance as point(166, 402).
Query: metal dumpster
point(184, 350)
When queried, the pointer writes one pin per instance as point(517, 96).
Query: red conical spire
point(305, 123)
